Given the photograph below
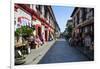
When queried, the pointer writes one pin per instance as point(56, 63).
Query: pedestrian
point(70, 41)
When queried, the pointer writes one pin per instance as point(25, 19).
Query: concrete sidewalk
point(37, 54)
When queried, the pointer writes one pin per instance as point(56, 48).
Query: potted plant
point(23, 33)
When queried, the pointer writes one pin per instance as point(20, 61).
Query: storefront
point(38, 27)
point(22, 18)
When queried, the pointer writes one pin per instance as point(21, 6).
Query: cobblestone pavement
point(36, 54)
point(62, 52)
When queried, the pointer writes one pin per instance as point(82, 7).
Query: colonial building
point(39, 16)
point(83, 21)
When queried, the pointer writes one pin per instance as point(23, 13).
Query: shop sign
point(23, 21)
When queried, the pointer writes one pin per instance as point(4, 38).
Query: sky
point(62, 14)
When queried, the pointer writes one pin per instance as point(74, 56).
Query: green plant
point(24, 31)
point(18, 32)
point(69, 32)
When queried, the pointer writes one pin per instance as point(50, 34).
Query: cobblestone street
point(62, 52)
point(37, 54)
point(43, 34)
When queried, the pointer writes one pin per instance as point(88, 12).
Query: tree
point(69, 30)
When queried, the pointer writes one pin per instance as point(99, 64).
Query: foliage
point(24, 31)
point(69, 32)
point(69, 29)
point(18, 32)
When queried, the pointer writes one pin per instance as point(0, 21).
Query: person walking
point(70, 39)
